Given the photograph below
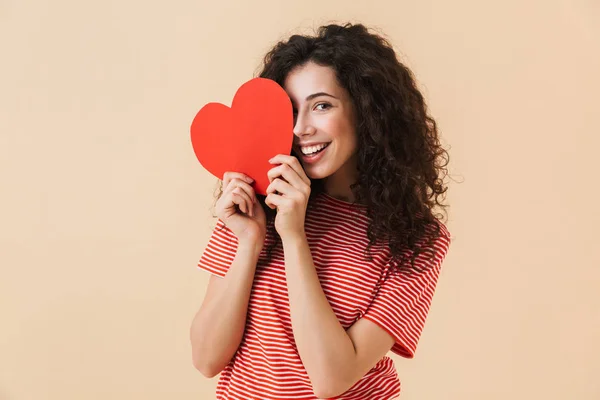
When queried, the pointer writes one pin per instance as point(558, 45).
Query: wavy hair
point(401, 163)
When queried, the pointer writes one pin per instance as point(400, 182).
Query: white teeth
point(312, 149)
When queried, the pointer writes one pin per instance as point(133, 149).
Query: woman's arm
point(218, 327)
point(334, 359)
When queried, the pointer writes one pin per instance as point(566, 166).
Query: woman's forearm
point(323, 344)
point(218, 327)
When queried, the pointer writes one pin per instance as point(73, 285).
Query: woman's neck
point(338, 184)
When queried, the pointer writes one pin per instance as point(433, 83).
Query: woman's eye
point(323, 106)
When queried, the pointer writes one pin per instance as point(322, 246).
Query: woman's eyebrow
point(312, 96)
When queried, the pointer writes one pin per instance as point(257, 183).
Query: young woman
point(314, 283)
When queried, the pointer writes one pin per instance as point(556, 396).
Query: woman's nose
point(302, 126)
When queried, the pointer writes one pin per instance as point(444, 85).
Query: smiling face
point(324, 127)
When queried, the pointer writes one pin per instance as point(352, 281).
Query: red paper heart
point(243, 138)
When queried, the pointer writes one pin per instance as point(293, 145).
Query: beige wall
point(105, 210)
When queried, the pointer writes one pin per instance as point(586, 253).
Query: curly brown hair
point(401, 163)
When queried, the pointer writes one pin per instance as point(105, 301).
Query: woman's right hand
point(250, 223)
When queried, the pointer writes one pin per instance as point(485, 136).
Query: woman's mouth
point(315, 153)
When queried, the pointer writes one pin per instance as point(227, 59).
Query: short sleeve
point(403, 300)
point(220, 250)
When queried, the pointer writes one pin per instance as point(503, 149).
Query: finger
point(273, 200)
point(237, 183)
point(289, 174)
point(281, 186)
point(243, 200)
point(293, 163)
point(237, 199)
point(228, 176)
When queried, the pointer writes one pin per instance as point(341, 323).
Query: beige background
point(105, 210)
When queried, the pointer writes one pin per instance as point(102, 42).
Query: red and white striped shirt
point(267, 364)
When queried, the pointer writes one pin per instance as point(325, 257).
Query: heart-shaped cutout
point(243, 138)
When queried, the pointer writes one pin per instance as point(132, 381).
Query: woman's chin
point(315, 173)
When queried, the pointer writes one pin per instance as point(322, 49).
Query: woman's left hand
point(292, 199)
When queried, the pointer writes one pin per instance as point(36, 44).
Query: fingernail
point(249, 180)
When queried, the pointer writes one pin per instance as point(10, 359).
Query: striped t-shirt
point(267, 364)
